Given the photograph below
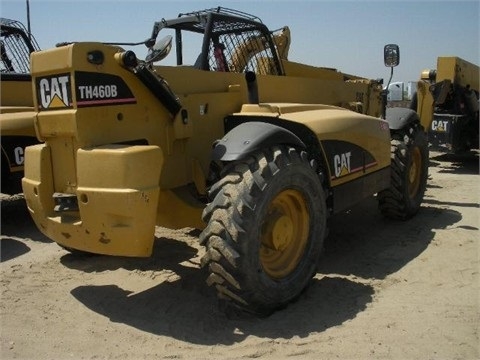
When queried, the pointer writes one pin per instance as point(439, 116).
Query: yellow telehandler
point(253, 149)
point(16, 101)
point(454, 127)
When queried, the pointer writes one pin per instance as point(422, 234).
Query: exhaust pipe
point(252, 87)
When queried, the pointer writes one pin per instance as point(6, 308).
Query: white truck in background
point(400, 93)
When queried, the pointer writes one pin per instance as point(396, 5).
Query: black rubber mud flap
point(398, 117)
point(251, 136)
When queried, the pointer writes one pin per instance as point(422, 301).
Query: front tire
point(265, 232)
point(409, 173)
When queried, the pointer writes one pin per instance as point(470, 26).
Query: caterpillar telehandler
point(455, 124)
point(254, 150)
point(16, 101)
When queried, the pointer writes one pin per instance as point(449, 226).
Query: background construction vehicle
point(455, 124)
point(16, 99)
point(256, 150)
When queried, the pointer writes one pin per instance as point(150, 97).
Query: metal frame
point(215, 24)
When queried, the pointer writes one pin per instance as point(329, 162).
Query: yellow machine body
point(117, 159)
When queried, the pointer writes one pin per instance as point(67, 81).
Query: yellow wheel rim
point(284, 234)
point(414, 173)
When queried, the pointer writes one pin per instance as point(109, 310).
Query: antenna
point(28, 21)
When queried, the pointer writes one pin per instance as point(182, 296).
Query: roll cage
point(233, 41)
point(16, 44)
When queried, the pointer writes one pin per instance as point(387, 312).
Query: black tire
point(409, 173)
point(265, 232)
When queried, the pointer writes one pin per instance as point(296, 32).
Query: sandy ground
point(384, 290)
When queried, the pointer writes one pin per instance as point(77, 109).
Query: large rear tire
point(409, 173)
point(265, 232)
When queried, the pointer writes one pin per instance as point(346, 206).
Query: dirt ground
point(384, 290)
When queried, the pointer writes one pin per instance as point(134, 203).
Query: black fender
point(250, 136)
point(399, 117)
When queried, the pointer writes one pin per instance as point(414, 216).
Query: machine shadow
point(11, 248)
point(180, 311)
point(167, 254)
point(384, 246)
point(16, 221)
point(463, 163)
point(187, 310)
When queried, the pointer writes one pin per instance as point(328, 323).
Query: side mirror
point(160, 50)
point(391, 55)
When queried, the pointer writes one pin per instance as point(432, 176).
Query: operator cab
point(225, 40)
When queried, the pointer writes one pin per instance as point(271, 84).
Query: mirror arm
point(385, 96)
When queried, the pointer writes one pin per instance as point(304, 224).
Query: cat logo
point(54, 92)
point(19, 155)
point(439, 125)
point(341, 164)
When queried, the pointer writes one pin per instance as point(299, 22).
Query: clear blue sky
point(347, 35)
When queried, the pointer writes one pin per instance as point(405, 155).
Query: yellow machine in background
point(454, 126)
point(254, 149)
point(16, 100)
